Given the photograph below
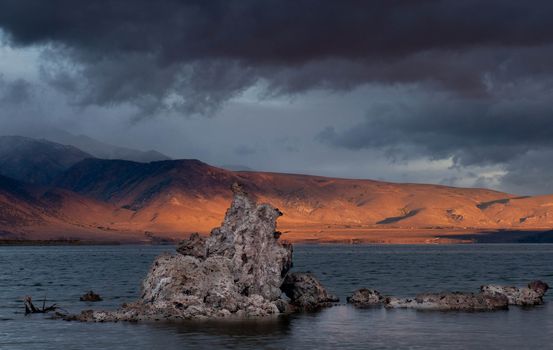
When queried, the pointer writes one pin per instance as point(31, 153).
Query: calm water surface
point(62, 274)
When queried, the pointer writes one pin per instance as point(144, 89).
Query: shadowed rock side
point(306, 292)
point(491, 297)
point(236, 272)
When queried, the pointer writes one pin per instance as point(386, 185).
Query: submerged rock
point(236, 272)
point(306, 292)
point(455, 301)
point(90, 296)
point(526, 296)
point(365, 298)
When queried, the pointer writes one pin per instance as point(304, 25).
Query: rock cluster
point(491, 297)
point(236, 272)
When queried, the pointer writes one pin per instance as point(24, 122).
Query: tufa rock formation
point(451, 302)
point(527, 296)
point(193, 246)
point(306, 292)
point(236, 272)
point(364, 297)
point(491, 297)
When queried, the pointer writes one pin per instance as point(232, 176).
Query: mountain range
point(36, 161)
point(55, 191)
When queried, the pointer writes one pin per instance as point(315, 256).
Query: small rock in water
point(526, 296)
point(365, 298)
point(90, 296)
point(306, 292)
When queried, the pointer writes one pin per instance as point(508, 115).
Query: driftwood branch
point(30, 308)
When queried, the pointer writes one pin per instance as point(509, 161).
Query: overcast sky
point(452, 92)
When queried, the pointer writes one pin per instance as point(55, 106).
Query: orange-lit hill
point(124, 200)
point(39, 213)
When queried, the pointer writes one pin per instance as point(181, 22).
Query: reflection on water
point(62, 274)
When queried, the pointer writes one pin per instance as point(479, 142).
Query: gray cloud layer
point(472, 131)
point(479, 72)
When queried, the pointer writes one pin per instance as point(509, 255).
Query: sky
point(450, 92)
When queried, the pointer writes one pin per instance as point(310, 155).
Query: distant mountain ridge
point(192, 196)
point(130, 201)
point(104, 150)
point(40, 161)
point(36, 161)
point(87, 144)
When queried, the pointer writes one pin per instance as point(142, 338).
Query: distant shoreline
point(55, 242)
point(437, 237)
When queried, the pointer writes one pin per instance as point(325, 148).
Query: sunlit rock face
point(248, 238)
point(236, 272)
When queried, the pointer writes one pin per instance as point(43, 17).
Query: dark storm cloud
point(194, 55)
point(277, 31)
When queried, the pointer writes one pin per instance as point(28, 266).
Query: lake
point(62, 273)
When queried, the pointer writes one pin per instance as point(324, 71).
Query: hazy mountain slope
point(101, 149)
point(18, 207)
point(36, 161)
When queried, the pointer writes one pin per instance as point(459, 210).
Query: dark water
point(62, 274)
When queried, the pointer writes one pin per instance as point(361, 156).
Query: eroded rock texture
point(193, 246)
point(237, 271)
point(451, 301)
point(306, 292)
point(526, 296)
point(491, 297)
